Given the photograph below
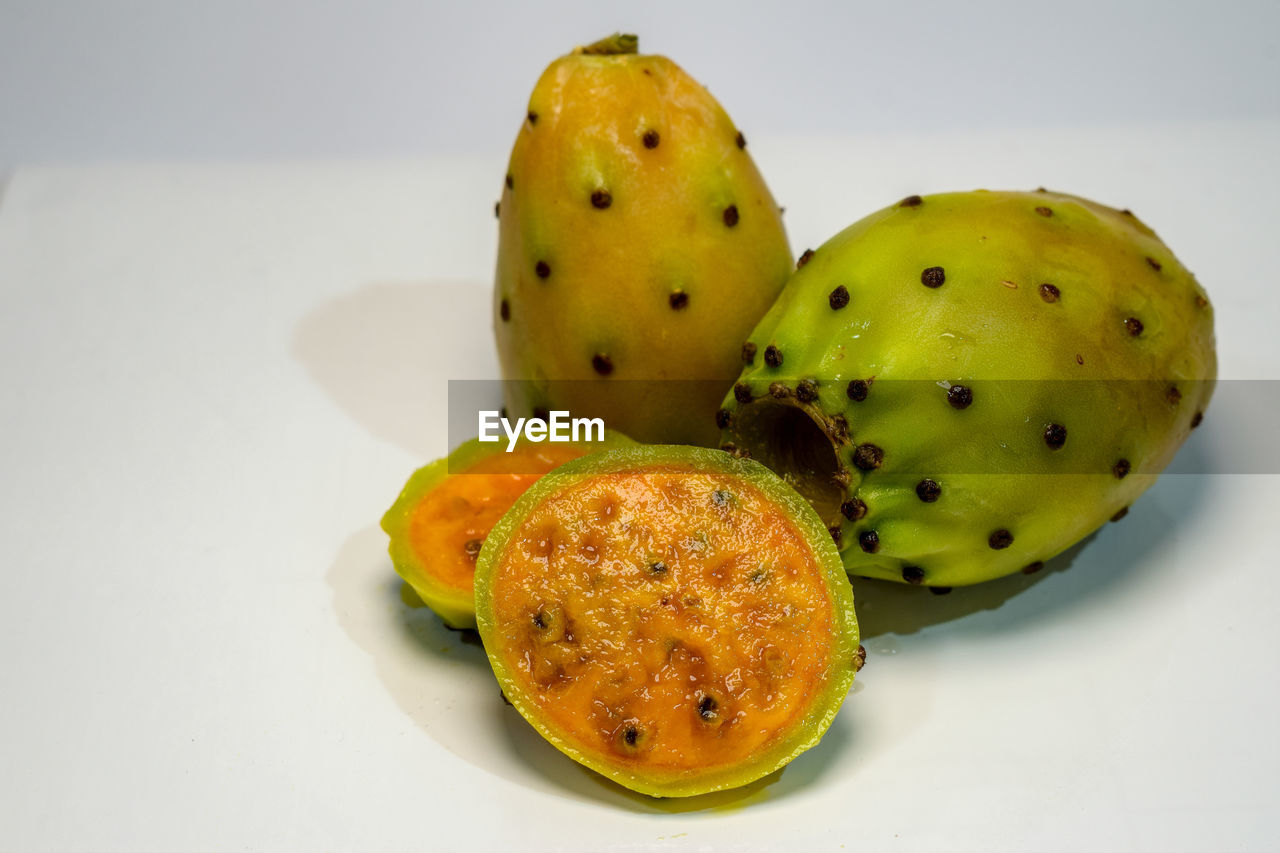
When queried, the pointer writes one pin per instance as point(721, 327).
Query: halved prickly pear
point(447, 508)
point(638, 246)
point(671, 617)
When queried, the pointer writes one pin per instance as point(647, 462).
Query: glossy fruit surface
point(967, 384)
point(671, 617)
point(441, 518)
point(638, 246)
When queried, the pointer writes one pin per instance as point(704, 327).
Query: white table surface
point(214, 379)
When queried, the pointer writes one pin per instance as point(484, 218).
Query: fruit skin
point(976, 289)
point(637, 241)
point(454, 606)
point(845, 648)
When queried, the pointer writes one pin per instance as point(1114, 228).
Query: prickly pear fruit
point(671, 617)
point(441, 518)
point(965, 385)
point(637, 241)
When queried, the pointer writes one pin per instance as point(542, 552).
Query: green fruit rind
point(454, 607)
point(823, 707)
point(1087, 350)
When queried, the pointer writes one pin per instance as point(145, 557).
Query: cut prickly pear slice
point(671, 617)
point(439, 523)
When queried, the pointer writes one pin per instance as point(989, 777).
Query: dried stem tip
point(614, 45)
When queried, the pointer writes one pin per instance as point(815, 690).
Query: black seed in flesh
point(838, 298)
point(650, 139)
point(1120, 513)
point(540, 621)
point(772, 356)
point(740, 140)
point(779, 390)
point(1033, 567)
point(911, 201)
point(742, 393)
point(1196, 419)
point(854, 509)
point(730, 215)
point(928, 490)
point(533, 117)
point(630, 735)
point(806, 391)
point(1120, 469)
point(859, 658)
point(600, 199)
point(511, 182)
point(1055, 435)
point(805, 257)
point(933, 277)
point(940, 590)
point(602, 363)
point(1049, 292)
point(836, 535)
point(839, 428)
point(1154, 264)
point(472, 548)
point(959, 396)
point(1173, 395)
point(748, 353)
point(657, 568)
point(869, 541)
point(678, 300)
point(707, 706)
point(723, 418)
point(504, 310)
point(913, 574)
point(1133, 325)
point(1044, 211)
point(542, 269)
point(857, 390)
point(868, 457)
point(1000, 539)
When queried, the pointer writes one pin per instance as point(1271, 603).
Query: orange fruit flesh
point(451, 521)
point(673, 619)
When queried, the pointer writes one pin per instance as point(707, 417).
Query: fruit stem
point(614, 45)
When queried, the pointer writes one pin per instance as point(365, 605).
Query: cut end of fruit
point(671, 617)
point(801, 445)
point(439, 524)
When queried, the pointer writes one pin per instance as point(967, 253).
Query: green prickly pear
point(637, 241)
point(965, 385)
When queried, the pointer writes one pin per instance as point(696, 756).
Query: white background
point(179, 79)
point(250, 244)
